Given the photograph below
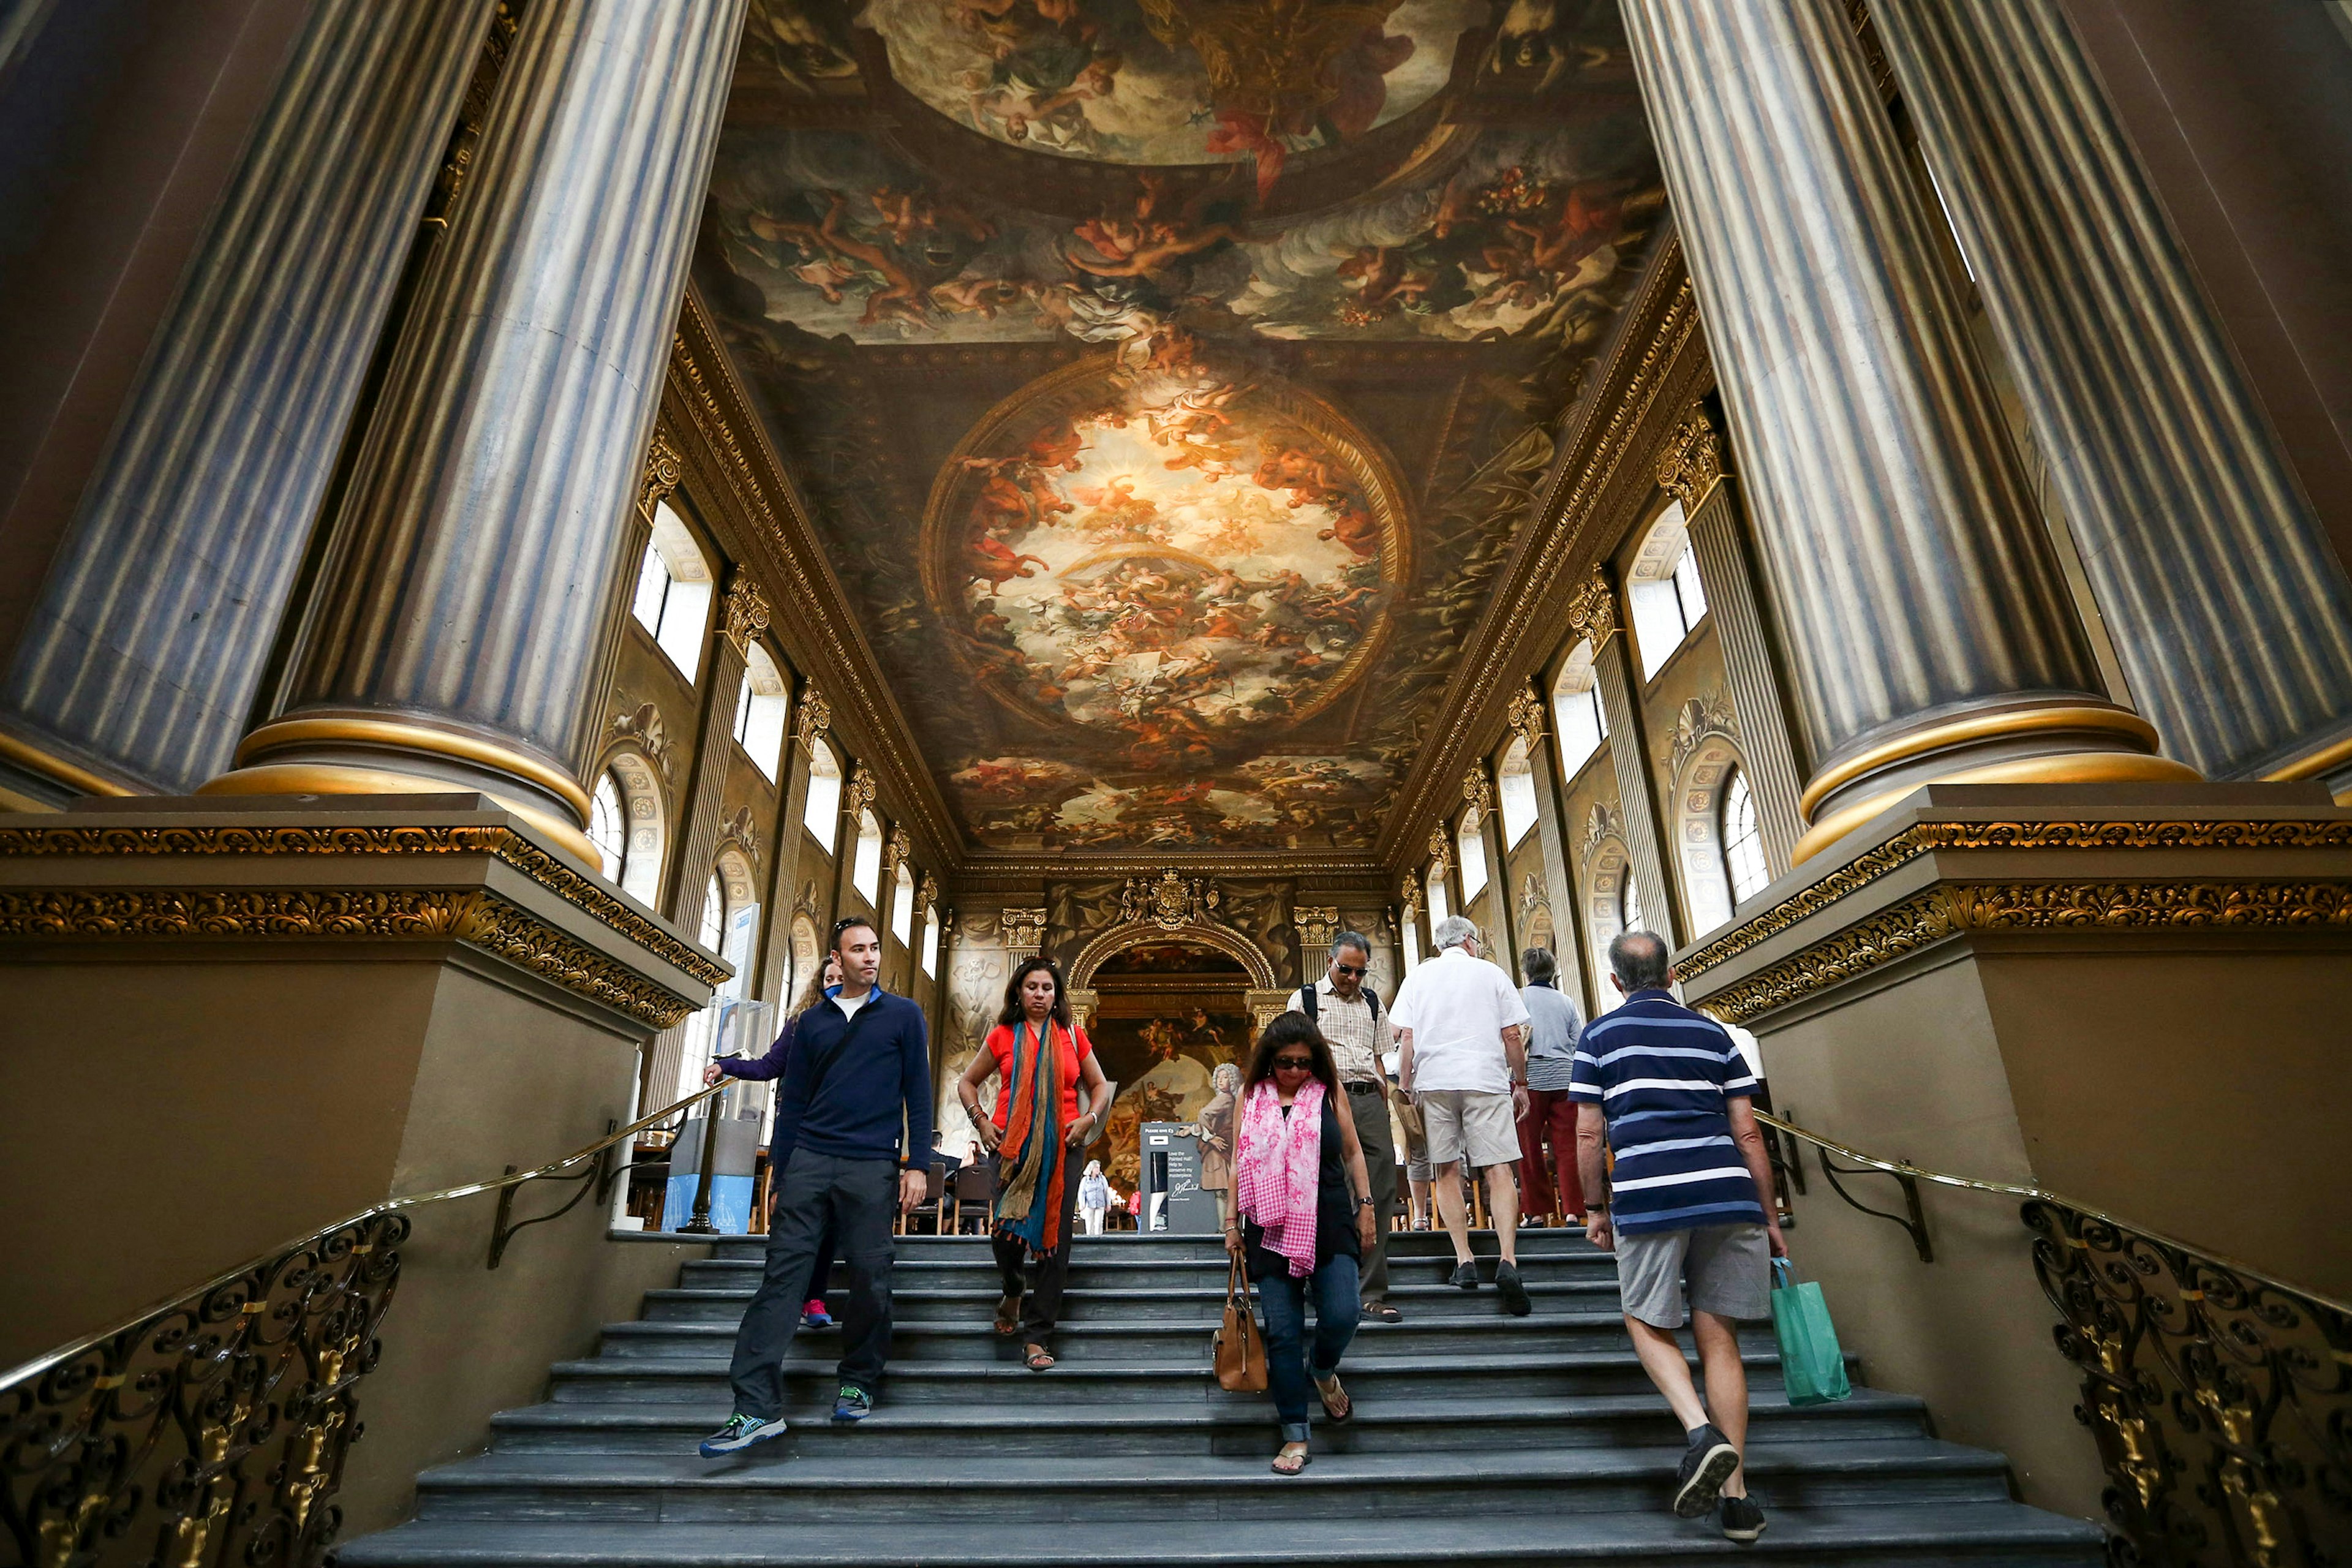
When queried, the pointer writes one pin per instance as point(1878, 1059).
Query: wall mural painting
point(1161, 1065)
point(1131, 472)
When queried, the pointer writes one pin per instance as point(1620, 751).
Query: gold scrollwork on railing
point(2221, 1404)
point(213, 1431)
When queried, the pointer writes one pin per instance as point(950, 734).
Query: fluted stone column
point(743, 615)
point(1593, 614)
point(1924, 619)
point(151, 632)
point(2231, 614)
point(456, 641)
point(1692, 471)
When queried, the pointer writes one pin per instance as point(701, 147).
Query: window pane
point(1519, 795)
point(902, 907)
point(1411, 945)
point(1658, 627)
point(608, 826)
point(1471, 842)
point(1434, 893)
point(930, 941)
point(1581, 727)
point(714, 913)
point(1686, 585)
point(1629, 903)
point(685, 616)
point(866, 871)
point(1743, 845)
point(653, 583)
point(823, 813)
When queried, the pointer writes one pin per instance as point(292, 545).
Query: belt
point(1359, 1086)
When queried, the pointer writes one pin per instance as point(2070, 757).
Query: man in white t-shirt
point(1464, 1032)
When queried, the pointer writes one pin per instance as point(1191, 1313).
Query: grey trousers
point(856, 1199)
point(1370, 1108)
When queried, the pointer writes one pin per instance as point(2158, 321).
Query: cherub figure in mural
point(997, 563)
point(1382, 280)
point(1206, 1034)
point(898, 294)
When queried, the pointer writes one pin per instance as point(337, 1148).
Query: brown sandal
point(1301, 1461)
point(1336, 1403)
point(1038, 1359)
point(1008, 1315)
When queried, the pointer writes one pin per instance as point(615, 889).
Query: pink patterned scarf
point(1278, 1161)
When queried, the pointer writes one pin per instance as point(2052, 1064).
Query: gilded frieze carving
point(477, 918)
point(1691, 465)
point(1927, 918)
point(577, 888)
point(1168, 901)
point(745, 613)
point(1929, 837)
point(1022, 928)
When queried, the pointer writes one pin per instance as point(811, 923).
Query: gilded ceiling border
point(1654, 368)
point(727, 442)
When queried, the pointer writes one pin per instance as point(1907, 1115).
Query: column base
point(2043, 743)
point(345, 754)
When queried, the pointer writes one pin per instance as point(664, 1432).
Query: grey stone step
point(1393, 1426)
point(1465, 1330)
point(839, 1486)
point(1186, 1303)
point(1179, 1248)
point(807, 1380)
point(979, 1271)
point(1875, 1536)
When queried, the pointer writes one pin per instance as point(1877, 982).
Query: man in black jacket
point(860, 1066)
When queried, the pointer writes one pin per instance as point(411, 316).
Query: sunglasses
point(1343, 968)
point(1294, 1064)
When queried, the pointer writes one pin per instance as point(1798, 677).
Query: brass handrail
point(2218, 1395)
point(43, 1363)
point(2043, 1194)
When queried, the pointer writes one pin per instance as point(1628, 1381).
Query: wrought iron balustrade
point(213, 1428)
point(2220, 1397)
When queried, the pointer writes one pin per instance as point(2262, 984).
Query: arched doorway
point(1166, 1010)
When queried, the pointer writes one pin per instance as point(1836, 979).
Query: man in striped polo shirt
point(1669, 1090)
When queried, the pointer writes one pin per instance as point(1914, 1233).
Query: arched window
point(1516, 789)
point(729, 927)
point(902, 905)
point(1433, 894)
point(823, 813)
point(866, 871)
point(608, 826)
point(674, 587)
point(1629, 904)
point(1412, 942)
point(1470, 838)
point(931, 942)
point(1662, 592)
point(1578, 725)
point(1743, 845)
point(759, 709)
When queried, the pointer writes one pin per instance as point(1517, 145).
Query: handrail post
point(700, 1225)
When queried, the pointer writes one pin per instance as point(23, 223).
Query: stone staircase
point(1478, 1437)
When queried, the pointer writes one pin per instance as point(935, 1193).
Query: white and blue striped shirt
point(1661, 1075)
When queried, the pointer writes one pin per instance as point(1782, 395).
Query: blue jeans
point(1338, 1310)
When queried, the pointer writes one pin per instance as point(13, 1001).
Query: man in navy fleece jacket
point(859, 1070)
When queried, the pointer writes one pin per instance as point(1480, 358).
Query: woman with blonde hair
point(821, 985)
point(1215, 1128)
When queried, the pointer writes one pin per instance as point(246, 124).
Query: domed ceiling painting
point(1169, 381)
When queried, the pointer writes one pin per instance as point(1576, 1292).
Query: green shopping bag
point(1811, 1365)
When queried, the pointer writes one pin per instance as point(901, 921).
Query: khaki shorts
point(1730, 1268)
point(1466, 1125)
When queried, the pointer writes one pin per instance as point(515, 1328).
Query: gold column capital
point(1478, 789)
point(665, 467)
point(815, 718)
point(1690, 465)
point(745, 613)
point(1526, 716)
point(1592, 609)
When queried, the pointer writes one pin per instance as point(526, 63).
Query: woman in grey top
point(1554, 1025)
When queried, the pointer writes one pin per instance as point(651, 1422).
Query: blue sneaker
point(739, 1433)
point(854, 1404)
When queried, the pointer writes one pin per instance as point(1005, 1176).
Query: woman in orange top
point(1039, 1137)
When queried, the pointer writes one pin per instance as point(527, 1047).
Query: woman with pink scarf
point(1302, 1219)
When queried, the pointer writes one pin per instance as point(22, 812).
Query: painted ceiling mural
point(1168, 399)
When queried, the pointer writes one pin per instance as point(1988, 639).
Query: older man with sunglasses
point(1348, 1011)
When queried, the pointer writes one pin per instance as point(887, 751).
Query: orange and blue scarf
point(1031, 1170)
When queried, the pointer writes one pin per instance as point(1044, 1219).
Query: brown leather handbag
point(1239, 1347)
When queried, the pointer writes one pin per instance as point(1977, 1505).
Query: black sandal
point(1382, 1311)
point(1008, 1315)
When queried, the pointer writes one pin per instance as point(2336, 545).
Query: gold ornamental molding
point(1022, 928)
point(1931, 838)
point(815, 718)
point(1441, 847)
point(469, 916)
point(1168, 901)
point(1317, 927)
point(1409, 895)
point(1940, 913)
point(1592, 609)
point(665, 467)
point(1976, 727)
point(860, 796)
point(1526, 718)
point(926, 893)
point(32, 759)
point(1478, 790)
point(746, 612)
point(502, 843)
point(1691, 466)
point(899, 851)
